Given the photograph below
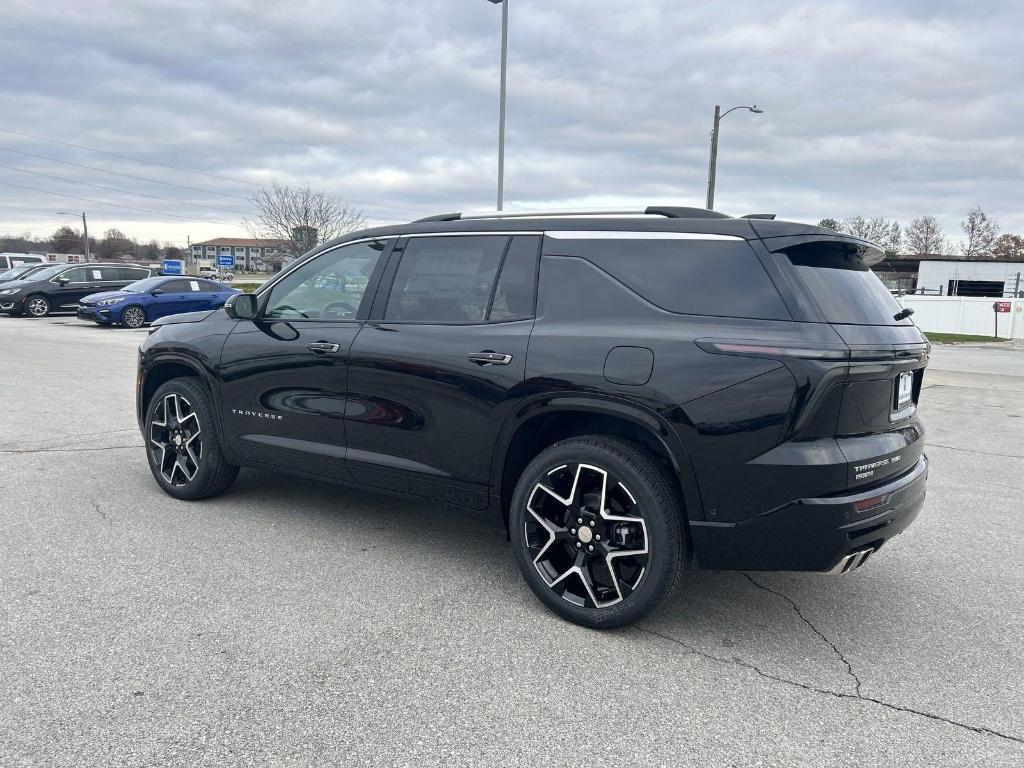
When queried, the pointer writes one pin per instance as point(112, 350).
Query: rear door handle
point(321, 347)
point(489, 358)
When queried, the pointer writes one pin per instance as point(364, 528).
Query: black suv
point(635, 394)
point(61, 286)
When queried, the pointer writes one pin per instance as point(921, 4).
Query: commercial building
point(249, 254)
point(945, 276)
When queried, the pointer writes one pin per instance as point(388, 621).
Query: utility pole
point(85, 238)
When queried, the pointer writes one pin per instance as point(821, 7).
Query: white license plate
point(904, 390)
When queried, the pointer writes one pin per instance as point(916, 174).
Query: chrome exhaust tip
point(851, 562)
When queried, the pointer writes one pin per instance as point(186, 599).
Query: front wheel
point(37, 306)
point(133, 316)
point(596, 531)
point(182, 444)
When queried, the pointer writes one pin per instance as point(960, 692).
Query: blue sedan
point(145, 300)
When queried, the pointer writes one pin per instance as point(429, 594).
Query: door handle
point(322, 347)
point(489, 358)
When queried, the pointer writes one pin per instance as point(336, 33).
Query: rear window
point(718, 277)
point(843, 285)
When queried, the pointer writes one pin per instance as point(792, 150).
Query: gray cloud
point(877, 108)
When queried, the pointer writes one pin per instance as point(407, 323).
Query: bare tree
point(1009, 248)
point(876, 229)
point(115, 246)
point(66, 240)
point(924, 235)
point(834, 224)
point(297, 218)
point(981, 234)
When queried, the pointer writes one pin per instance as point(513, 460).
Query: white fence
point(961, 314)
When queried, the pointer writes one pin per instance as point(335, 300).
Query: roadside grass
point(246, 287)
point(958, 338)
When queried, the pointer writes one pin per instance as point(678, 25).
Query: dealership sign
point(173, 267)
point(225, 260)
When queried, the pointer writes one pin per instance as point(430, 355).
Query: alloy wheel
point(586, 536)
point(38, 306)
point(174, 439)
point(133, 317)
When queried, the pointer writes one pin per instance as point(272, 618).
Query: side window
point(131, 273)
point(176, 286)
point(206, 287)
point(690, 275)
point(109, 274)
point(330, 286)
point(76, 275)
point(517, 283)
point(445, 279)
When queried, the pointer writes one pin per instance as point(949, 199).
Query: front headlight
point(108, 302)
point(9, 291)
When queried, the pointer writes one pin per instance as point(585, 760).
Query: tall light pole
point(501, 105)
point(85, 232)
point(713, 161)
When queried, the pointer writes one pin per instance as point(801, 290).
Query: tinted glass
point(132, 273)
point(76, 275)
point(144, 286)
point(514, 296)
point(845, 288)
point(176, 286)
point(47, 272)
point(695, 277)
point(207, 287)
point(445, 279)
point(328, 287)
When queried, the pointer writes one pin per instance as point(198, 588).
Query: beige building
point(249, 254)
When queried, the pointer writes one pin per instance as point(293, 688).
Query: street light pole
point(713, 159)
point(501, 103)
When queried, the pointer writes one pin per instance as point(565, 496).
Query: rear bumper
point(817, 534)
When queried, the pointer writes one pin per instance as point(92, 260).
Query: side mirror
point(63, 281)
point(241, 306)
point(156, 291)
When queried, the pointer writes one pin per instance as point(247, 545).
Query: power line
point(367, 203)
point(116, 205)
point(128, 157)
point(124, 191)
point(125, 175)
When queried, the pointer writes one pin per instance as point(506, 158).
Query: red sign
point(1001, 306)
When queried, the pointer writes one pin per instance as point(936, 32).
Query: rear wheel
point(596, 531)
point(133, 316)
point(182, 443)
point(37, 305)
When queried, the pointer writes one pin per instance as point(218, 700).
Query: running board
point(851, 562)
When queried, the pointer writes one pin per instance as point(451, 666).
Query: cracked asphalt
point(291, 623)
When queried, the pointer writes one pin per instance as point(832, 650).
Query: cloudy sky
point(166, 116)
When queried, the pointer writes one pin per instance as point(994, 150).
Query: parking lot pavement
point(296, 623)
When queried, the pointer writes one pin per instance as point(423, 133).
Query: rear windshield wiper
point(903, 314)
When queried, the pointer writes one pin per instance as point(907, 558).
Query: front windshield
point(13, 272)
point(145, 285)
point(47, 272)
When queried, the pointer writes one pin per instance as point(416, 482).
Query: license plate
point(904, 390)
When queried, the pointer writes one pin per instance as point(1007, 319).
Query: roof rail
point(671, 212)
point(765, 216)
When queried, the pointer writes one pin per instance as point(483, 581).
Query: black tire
point(631, 475)
point(181, 472)
point(37, 305)
point(133, 316)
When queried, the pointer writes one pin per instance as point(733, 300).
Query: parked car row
point(126, 294)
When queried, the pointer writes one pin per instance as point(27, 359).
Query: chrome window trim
point(610, 234)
